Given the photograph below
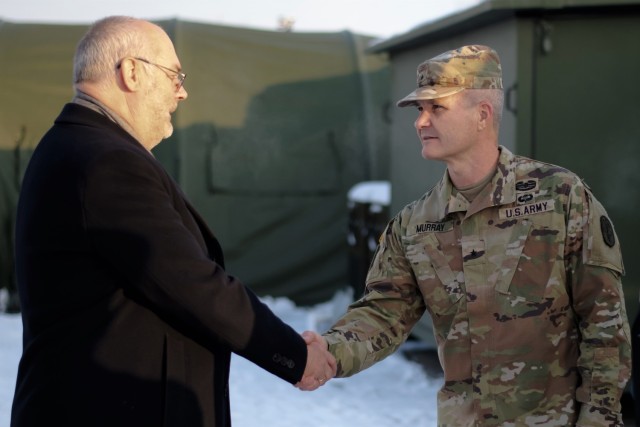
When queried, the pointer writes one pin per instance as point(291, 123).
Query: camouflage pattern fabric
point(467, 67)
point(523, 286)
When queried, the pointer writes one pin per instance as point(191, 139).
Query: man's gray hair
point(105, 44)
point(495, 97)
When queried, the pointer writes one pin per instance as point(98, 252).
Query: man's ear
point(130, 74)
point(485, 115)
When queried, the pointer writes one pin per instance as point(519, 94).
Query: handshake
point(321, 365)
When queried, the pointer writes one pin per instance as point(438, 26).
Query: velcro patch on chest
point(526, 185)
point(526, 210)
point(434, 227)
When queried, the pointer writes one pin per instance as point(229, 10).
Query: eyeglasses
point(179, 76)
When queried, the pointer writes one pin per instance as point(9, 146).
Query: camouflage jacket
point(523, 287)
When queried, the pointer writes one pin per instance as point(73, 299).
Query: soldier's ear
point(485, 115)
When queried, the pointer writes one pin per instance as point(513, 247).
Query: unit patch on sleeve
point(608, 235)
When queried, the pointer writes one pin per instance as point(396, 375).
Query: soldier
point(515, 260)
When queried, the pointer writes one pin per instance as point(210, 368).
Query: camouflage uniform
point(523, 287)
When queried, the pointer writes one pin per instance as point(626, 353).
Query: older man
point(129, 316)
point(515, 260)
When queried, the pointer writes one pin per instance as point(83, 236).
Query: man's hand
point(321, 365)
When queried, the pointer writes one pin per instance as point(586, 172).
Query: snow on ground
point(395, 392)
point(10, 349)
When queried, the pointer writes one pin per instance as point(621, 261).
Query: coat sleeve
point(377, 324)
point(594, 264)
point(132, 215)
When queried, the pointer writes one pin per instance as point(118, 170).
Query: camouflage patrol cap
point(467, 67)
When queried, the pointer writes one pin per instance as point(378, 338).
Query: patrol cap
point(467, 67)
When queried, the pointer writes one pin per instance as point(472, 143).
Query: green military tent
point(276, 129)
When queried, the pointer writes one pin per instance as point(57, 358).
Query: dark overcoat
point(129, 316)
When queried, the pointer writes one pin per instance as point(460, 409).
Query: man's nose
point(423, 120)
point(182, 93)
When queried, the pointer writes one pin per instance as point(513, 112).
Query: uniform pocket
point(530, 255)
point(441, 286)
point(604, 377)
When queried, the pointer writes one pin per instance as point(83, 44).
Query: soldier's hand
point(321, 365)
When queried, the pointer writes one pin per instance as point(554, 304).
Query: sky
point(395, 392)
point(378, 18)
